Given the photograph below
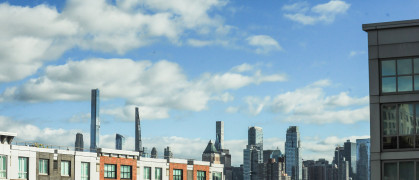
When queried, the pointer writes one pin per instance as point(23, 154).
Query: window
point(3, 167)
point(23, 168)
point(43, 166)
point(216, 176)
point(401, 75)
point(110, 171)
point(400, 123)
point(65, 168)
point(85, 171)
point(147, 172)
point(201, 175)
point(177, 174)
point(401, 170)
point(125, 172)
point(158, 174)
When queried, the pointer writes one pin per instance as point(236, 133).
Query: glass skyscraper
point(253, 154)
point(350, 156)
point(119, 141)
point(363, 159)
point(95, 121)
point(292, 153)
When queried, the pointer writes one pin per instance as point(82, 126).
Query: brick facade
point(197, 168)
point(183, 167)
point(118, 162)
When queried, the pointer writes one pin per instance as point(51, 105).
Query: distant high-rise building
point(79, 142)
point(253, 154)
point(95, 121)
point(211, 154)
point(154, 152)
point(119, 141)
point(350, 156)
point(293, 158)
point(167, 153)
point(219, 139)
point(138, 143)
point(316, 170)
point(341, 163)
point(363, 159)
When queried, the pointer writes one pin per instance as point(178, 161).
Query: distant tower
point(154, 152)
point(119, 141)
point(293, 164)
point(95, 121)
point(79, 142)
point(167, 153)
point(255, 136)
point(253, 154)
point(219, 139)
point(138, 143)
point(350, 156)
point(211, 154)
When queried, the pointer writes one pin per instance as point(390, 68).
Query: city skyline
point(271, 64)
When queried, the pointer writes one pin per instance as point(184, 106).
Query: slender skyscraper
point(138, 144)
point(95, 121)
point(79, 142)
point(119, 141)
point(253, 154)
point(219, 139)
point(350, 156)
point(293, 159)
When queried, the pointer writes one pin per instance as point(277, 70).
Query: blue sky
point(187, 64)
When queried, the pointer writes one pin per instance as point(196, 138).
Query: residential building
point(219, 137)
point(253, 154)
point(350, 156)
point(363, 159)
point(119, 141)
point(293, 158)
point(117, 164)
point(393, 59)
point(79, 144)
point(316, 170)
point(95, 120)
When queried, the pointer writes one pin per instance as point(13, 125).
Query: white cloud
point(232, 109)
point(80, 118)
point(356, 53)
point(156, 88)
point(242, 68)
point(264, 44)
point(326, 13)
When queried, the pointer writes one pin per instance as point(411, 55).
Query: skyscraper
point(154, 152)
point(167, 153)
point(119, 141)
point(219, 139)
point(292, 153)
point(79, 142)
point(363, 159)
point(95, 121)
point(138, 143)
point(253, 154)
point(350, 156)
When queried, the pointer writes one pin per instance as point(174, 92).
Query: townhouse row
point(33, 163)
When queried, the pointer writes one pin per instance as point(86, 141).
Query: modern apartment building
point(95, 120)
point(253, 154)
point(293, 158)
point(393, 59)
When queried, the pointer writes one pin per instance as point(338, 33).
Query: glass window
point(406, 170)
point(216, 176)
point(416, 65)
point(406, 119)
point(65, 168)
point(23, 168)
point(404, 83)
point(147, 172)
point(389, 119)
point(43, 166)
point(388, 84)
point(417, 170)
point(201, 175)
point(125, 172)
point(177, 174)
point(158, 173)
point(110, 171)
point(388, 68)
point(390, 171)
point(3, 167)
point(404, 66)
point(85, 171)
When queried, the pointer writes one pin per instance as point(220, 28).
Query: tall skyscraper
point(79, 142)
point(95, 121)
point(350, 156)
point(292, 153)
point(154, 152)
point(363, 159)
point(167, 153)
point(138, 143)
point(253, 154)
point(119, 141)
point(219, 139)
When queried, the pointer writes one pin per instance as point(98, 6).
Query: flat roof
point(389, 25)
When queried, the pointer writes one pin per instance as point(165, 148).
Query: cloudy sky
point(187, 64)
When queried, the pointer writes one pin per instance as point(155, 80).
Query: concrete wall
point(90, 158)
point(23, 151)
point(153, 164)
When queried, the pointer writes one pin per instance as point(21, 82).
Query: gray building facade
point(363, 159)
point(253, 154)
point(350, 156)
point(53, 166)
point(393, 58)
point(95, 121)
point(293, 158)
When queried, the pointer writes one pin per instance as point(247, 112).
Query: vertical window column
point(158, 174)
point(85, 171)
point(65, 168)
point(147, 173)
point(3, 167)
point(125, 172)
point(23, 168)
point(43, 166)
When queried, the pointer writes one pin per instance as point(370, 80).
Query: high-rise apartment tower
point(79, 142)
point(138, 143)
point(293, 158)
point(119, 141)
point(95, 121)
point(219, 139)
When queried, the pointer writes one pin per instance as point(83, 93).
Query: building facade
point(363, 159)
point(293, 158)
point(350, 156)
point(393, 58)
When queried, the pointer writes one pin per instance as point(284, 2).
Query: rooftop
point(392, 24)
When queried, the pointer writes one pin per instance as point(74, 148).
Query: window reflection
point(389, 120)
point(388, 68)
point(390, 171)
point(406, 119)
point(404, 66)
point(406, 170)
point(388, 84)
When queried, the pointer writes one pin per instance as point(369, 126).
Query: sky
point(187, 64)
